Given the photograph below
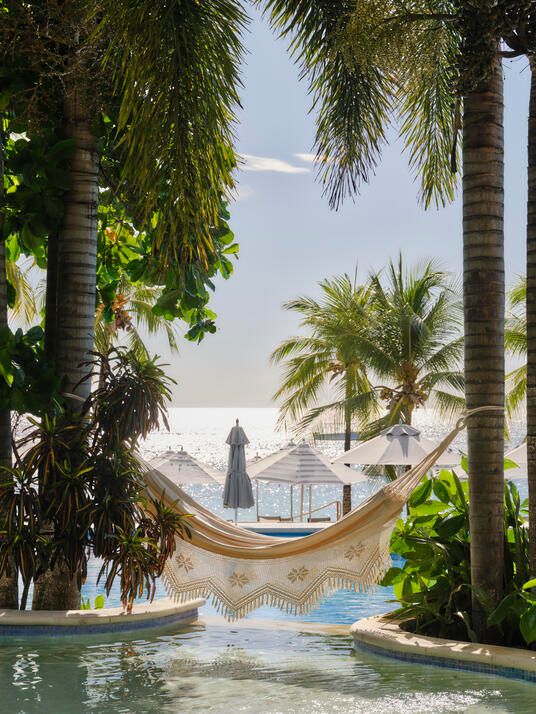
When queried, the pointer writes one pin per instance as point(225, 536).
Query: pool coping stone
point(385, 636)
point(159, 613)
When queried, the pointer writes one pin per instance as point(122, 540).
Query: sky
point(290, 239)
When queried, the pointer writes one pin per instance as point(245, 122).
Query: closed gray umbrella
point(237, 492)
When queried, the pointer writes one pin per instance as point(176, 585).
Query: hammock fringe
point(364, 583)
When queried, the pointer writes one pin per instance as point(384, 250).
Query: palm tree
point(360, 58)
point(484, 309)
point(166, 75)
point(132, 311)
point(328, 357)
point(415, 342)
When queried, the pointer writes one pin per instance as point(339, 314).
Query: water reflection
point(242, 670)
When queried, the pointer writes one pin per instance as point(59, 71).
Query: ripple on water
point(247, 670)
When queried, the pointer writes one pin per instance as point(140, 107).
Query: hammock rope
point(241, 570)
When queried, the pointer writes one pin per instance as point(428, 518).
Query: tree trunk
point(347, 488)
point(531, 320)
point(483, 283)
point(77, 270)
point(77, 266)
point(51, 299)
point(9, 597)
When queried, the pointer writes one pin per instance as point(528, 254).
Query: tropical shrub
point(433, 585)
point(76, 488)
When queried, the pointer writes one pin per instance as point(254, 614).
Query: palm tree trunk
point(483, 282)
point(347, 488)
point(51, 298)
point(531, 320)
point(77, 265)
point(9, 597)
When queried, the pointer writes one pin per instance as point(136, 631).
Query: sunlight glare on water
point(237, 669)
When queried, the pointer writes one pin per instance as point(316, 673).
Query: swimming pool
point(260, 665)
point(242, 669)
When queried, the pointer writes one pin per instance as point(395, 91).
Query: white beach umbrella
point(518, 456)
point(398, 445)
point(182, 468)
point(302, 464)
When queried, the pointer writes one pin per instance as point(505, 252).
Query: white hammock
point(242, 571)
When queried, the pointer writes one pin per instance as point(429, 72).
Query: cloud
point(267, 163)
point(308, 158)
point(312, 158)
point(240, 193)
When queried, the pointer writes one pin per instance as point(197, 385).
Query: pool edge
point(160, 613)
point(385, 637)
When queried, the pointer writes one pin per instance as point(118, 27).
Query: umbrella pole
point(235, 516)
point(257, 499)
point(310, 501)
point(301, 504)
point(291, 502)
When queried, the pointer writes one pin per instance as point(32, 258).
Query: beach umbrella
point(398, 445)
point(302, 465)
point(182, 468)
point(237, 492)
point(519, 457)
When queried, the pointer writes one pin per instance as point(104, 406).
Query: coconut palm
point(132, 315)
point(328, 357)
point(415, 338)
point(360, 58)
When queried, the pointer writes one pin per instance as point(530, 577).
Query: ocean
point(202, 433)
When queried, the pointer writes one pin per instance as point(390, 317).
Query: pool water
point(243, 670)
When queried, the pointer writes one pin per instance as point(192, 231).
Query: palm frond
point(174, 67)
point(352, 101)
point(25, 304)
point(516, 391)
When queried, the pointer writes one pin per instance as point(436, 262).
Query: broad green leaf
point(503, 609)
point(421, 493)
point(527, 625)
point(450, 526)
point(441, 491)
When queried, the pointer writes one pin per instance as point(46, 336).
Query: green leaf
point(392, 576)
point(421, 493)
point(503, 609)
point(431, 507)
point(451, 526)
point(441, 491)
point(530, 584)
point(99, 602)
point(527, 625)
point(509, 464)
point(35, 335)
